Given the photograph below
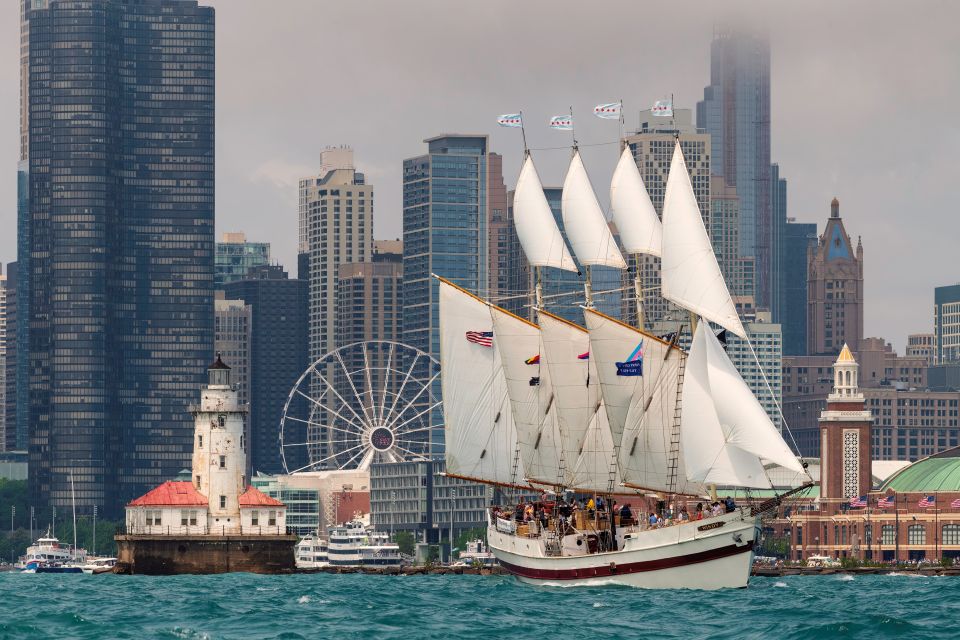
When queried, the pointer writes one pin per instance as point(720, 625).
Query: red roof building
point(255, 498)
point(172, 494)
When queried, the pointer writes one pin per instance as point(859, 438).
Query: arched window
point(848, 378)
point(916, 534)
point(888, 535)
point(951, 534)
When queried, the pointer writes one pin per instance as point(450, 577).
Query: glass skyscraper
point(796, 240)
point(117, 253)
point(235, 256)
point(735, 111)
point(445, 231)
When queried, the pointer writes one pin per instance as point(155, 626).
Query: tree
point(405, 541)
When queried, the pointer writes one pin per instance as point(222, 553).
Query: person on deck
point(626, 516)
point(591, 507)
point(730, 505)
point(699, 515)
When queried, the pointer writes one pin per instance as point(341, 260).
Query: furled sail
point(481, 441)
point(633, 212)
point(584, 222)
point(638, 376)
point(566, 349)
point(717, 421)
point(531, 395)
point(536, 227)
point(690, 275)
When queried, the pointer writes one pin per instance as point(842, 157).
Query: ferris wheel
point(365, 402)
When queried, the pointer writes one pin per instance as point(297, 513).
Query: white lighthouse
point(219, 449)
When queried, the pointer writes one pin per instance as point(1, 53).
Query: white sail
point(708, 455)
point(744, 421)
point(584, 222)
point(531, 395)
point(633, 212)
point(641, 408)
point(481, 442)
point(690, 275)
point(576, 392)
point(536, 227)
point(595, 468)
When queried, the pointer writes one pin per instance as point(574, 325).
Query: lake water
point(370, 606)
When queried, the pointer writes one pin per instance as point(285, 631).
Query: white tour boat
point(354, 544)
point(312, 552)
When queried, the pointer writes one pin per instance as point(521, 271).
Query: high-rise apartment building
point(233, 328)
point(946, 324)
point(796, 241)
point(12, 440)
point(652, 147)
point(778, 221)
point(115, 243)
point(834, 289)
point(235, 256)
point(3, 359)
point(735, 112)
point(724, 230)
point(499, 230)
point(446, 231)
point(278, 357)
point(921, 345)
point(336, 226)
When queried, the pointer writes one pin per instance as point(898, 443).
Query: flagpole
point(523, 132)
point(936, 526)
point(573, 131)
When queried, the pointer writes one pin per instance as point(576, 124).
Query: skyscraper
point(3, 360)
point(116, 258)
point(278, 357)
point(12, 440)
point(336, 226)
point(778, 222)
point(796, 241)
point(946, 324)
point(446, 222)
point(235, 256)
point(735, 111)
point(834, 289)
point(652, 146)
point(232, 339)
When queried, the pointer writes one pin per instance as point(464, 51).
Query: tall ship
point(607, 411)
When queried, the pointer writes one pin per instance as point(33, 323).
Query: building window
point(222, 421)
point(154, 518)
point(223, 462)
point(198, 482)
point(193, 518)
point(199, 441)
point(799, 535)
point(184, 518)
point(223, 502)
point(255, 518)
point(951, 534)
point(888, 535)
point(916, 534)
point(272, 518)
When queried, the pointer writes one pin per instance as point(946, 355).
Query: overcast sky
point(865, 99)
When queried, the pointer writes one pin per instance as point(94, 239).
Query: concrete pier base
point(167, 555)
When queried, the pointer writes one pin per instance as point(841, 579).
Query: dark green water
point(358, 606)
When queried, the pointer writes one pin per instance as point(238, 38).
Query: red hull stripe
point(614, 569)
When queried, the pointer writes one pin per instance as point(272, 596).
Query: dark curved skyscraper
point(118, 233)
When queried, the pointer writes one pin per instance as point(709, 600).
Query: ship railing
point(201, 530)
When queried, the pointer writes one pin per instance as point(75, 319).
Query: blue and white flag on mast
point(662, 108)
point(510, 120)
point(563, 123)
point(610, 111)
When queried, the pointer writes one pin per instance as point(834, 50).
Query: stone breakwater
point(776, 572)
point(412, 571)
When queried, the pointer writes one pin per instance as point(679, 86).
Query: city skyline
point(824, 126)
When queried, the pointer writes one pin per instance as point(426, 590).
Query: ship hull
point(712, 554)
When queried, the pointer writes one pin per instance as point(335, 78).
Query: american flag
point(955, 504)
point(858, 503)
point(482, 338)
point(886, 502)
point(926, 501)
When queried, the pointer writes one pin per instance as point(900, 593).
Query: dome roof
point(939, 472)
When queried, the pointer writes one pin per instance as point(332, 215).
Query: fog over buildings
point(863, 102)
